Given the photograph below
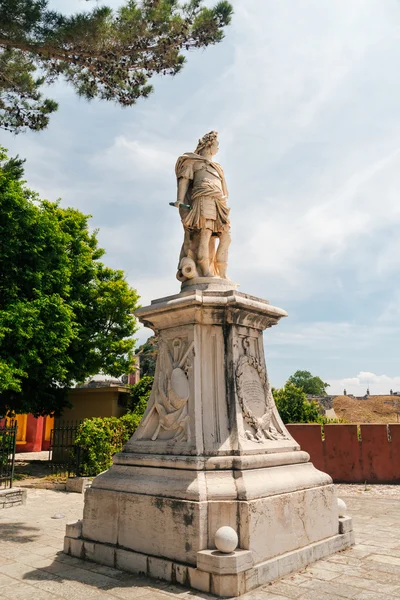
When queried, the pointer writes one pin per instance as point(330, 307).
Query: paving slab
point(30, 456)
point(32, 564)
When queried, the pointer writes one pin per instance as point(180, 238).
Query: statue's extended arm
point(183, 185)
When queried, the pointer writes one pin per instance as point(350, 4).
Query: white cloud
point(132, 159)
point(377, 384)
point(305, 96)
point(299, 87)
point(299, 72)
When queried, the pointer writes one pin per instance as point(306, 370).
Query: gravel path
point(356, 490)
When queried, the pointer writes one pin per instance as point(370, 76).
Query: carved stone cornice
point(210, 307)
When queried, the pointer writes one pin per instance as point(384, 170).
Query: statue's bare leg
point(185, 245)
point(184, 252)
point(222, 253)
point(212, 254)
point(203, 255)
point(194, 244)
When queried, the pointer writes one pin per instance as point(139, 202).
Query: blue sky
point(305, 96)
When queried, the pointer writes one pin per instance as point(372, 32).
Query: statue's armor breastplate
point(212, 171)
point(207, 173)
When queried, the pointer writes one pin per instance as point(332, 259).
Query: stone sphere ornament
point(226, 539)
point(342, 507)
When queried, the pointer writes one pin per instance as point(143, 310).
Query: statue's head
point(208, 142)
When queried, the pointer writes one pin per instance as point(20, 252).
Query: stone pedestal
point(211, 451)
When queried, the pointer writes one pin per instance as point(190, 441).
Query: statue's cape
point(183, 168)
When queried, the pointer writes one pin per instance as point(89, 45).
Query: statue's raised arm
point(202, 202)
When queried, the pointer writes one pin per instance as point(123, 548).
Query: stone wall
point(12, 497)
point(325, 402)
point(371, 455)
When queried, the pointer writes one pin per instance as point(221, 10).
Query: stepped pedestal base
point(226, 583)
point(211, 451)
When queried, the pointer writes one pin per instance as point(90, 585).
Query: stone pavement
point(33, 567)
point(30, 456)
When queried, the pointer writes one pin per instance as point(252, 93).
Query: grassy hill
point(372, 410)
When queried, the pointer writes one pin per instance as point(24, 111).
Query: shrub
point(293, 405)
point(140, 394)
point(99, 438)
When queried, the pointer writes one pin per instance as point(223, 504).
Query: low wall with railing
point(351, 453)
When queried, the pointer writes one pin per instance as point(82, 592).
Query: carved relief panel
point(167, 415)
point(261, 422)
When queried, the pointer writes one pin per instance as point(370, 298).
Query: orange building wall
point(96, 402)
point(375, 458)
point(33, 433)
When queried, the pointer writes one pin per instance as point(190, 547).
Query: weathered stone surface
point(227, 586)
point(12, 497)
point(75, 547)
point(160, 568)
point(78, 484)
point(199, 580)
point(277, 524)
point(193, 338)
point(67, 545)
point(211, 452)
point(180, 574)
point(74, 530)
point(213, 561)
point(132, 562)
point(345, 524)
point(105, 555)
point(99, 516)
point(147, 523)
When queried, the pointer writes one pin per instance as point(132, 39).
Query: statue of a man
point(202, 196)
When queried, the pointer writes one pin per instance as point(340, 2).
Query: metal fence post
point(8, 442)
point(14, 447)
point(64, 457)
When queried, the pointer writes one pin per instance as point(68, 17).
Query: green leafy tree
point(309, 383)
point(293, 405)
point(140, 394)
point(64, 315)
point(105, 54)
point(147, 354)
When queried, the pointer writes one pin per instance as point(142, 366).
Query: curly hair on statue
point(206, 141)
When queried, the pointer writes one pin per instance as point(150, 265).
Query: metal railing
point(8, 440)
point(64, 456)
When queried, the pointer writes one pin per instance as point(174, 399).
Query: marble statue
point(211, 491)
point(202, 202)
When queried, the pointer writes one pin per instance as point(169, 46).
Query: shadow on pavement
point(17, 532)
point(66, 569)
